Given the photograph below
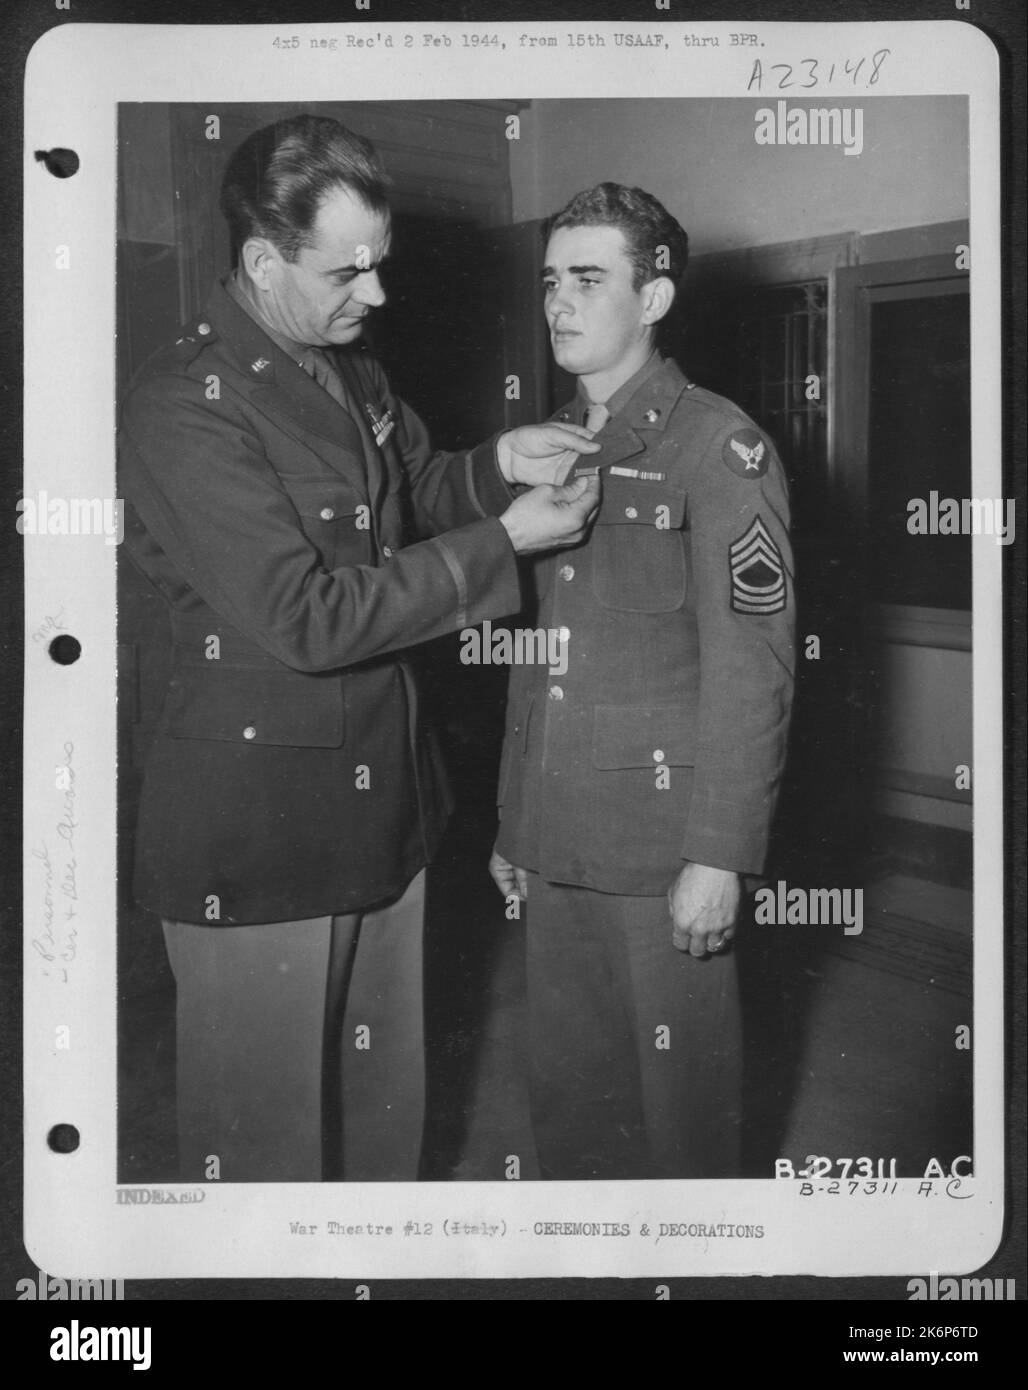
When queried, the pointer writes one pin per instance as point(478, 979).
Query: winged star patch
point(746, 454)
point(758, 575)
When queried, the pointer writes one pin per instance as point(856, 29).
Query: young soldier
point(638, 787)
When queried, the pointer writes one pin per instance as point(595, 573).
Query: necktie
point(596, 416)
point(316, 364)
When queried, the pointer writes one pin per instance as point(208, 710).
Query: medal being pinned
point(382, 425)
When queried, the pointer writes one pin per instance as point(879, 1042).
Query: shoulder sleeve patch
point(746, 453)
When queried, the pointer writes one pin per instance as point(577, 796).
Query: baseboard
point(936, 852)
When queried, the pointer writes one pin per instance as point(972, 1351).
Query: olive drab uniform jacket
point(289, 776)
point(665, 739)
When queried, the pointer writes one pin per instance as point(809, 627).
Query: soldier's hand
point(550, 518)
point(704, 905)
point(507, 878)
point(534, 454)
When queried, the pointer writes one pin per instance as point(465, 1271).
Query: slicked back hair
point(278, 178)
point(655, 242)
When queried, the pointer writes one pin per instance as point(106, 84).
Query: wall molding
point(947, 628)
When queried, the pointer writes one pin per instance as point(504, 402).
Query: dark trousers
point(635, 1047)
point(300, 1046)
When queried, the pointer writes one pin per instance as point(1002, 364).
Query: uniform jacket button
point(567, 572)
point(563, 634)
point(631, 513)
point(203, 329)
point(326, 513)
point(249, 731)
point(387, 551)
point(658, 755)
point(555, 692)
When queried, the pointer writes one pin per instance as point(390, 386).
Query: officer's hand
point(704, 905)
point(549, 518)
point(534, 454)
point(507, 878)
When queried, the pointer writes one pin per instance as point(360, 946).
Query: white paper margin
point(76, 75)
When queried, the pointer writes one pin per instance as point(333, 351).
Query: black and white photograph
point(525, 585)
point(310, 609)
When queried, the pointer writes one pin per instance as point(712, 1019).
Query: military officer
point(289, 509)
point(638, 788)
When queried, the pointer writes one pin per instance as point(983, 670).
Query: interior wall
point(146, 203)
point(926, 727)
point(699, 157)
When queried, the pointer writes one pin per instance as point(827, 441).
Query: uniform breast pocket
point(638, 547)
point(335, 517)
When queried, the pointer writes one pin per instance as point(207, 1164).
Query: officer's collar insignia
point(260, 365)
point(382, 425)
point(746, 453)
point(651, 416)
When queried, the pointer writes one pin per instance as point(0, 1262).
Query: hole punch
point(65, 649)
point(63, 1139)
point(59, 162)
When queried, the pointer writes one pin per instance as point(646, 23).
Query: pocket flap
point(639, 502)
point(643, 736)
point(322, 496)
point(286, 708)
